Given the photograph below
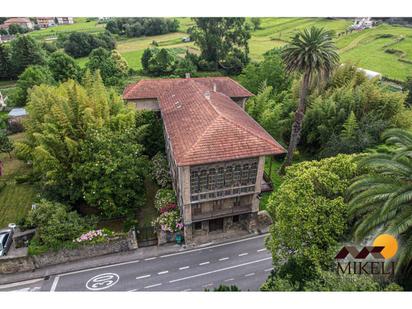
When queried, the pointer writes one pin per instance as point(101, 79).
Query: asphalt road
point(245, 263)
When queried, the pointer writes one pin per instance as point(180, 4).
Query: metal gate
point(146, 236)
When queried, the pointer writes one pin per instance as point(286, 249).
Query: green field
point(15, 199)
point(367, 48)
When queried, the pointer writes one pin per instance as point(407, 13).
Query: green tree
point(112, 66)
point(33, 75)
point(270, 71)
point(151, 137)
point(25, 51)
point(81, 44)
point(6, 145)
point(223, 41)
point(6, 71)
point(63, 67)
point(111, 171)
point(312, 53)
point(17, 29)
point(55, 225)
point(311, 199)
point(350, 127)
point(382, 198)
point(60, 118)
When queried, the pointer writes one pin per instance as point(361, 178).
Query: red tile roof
point(205, 126)
point(152, 88)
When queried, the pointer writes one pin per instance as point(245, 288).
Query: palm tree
point(382, 199)
point(313, 54)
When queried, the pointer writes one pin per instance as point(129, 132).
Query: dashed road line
point(16, 284)
point(243, 254)
point(151, 258)
point(152, 286)
point(54, 285)
point(204, 263)
point(142, 277)
point(223, 259)
point(187, 290)
point(219, 270)
point(251, 274)
point(230, 279)
point(163, 272)
point(260, 250)
point(269, 269)
point(184, 267)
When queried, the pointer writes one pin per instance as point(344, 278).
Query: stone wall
point(30, 263)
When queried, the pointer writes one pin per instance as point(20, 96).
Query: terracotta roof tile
point(203, 125)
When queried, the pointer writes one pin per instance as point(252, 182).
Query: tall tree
point(6, 145)
point(5, 63)
point(221, 39)
point(63, 67)
point(382, 198)
point(313, 54)
point(25, 51)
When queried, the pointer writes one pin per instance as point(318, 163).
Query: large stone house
point(216, 151)
point(21, 21)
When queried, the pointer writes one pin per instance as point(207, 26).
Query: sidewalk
point(138, 254)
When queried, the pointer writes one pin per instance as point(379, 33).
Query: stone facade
point(145, 104)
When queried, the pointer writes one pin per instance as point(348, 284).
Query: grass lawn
point(15, 199)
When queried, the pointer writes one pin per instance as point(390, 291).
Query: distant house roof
point(203, 125)
point(17, 20)
point(370, 74)
point(18, 112)
point(152, 88)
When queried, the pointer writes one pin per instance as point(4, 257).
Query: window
point(245, 174)
point(203, 180)
point(253, 173)
point(212, 179)
point(217, 205)
point(235, 219)
point(237, 201)
point(236, 175)
point(194, 182)
point(229, 176)
point(198, 225)
point(197, 209)
point(220, 178)
point(216, 225)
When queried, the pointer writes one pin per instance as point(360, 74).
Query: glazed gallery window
point(223, 179)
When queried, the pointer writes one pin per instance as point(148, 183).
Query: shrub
point(160, 170)
point(169, 221)
point(55, 225)
point(164, 197)
point(94, 236)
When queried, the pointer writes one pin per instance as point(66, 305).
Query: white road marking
point(102, 281)
point(230, 279)
point(204, 263)
point(187, 290)
point(260, 250)
point(224, 259)
point(219, 270)
point(36, 288)
point(251, 274)
point(54, 285)
point(12, 285)
point(142, 277)
point(215, 246)
point(184, 267)
point(152, 258)
point(134, 290)
point(269, 269)
point(243, 254)
point(163, 272)
point(152, 286)
point(206, 285)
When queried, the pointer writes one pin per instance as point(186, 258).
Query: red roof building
point(215, 149)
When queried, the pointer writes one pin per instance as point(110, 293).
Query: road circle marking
point(102, 281)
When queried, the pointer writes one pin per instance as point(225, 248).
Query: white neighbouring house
point(65, 20)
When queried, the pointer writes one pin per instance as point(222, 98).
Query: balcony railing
point(266, 184)
point(224, 212)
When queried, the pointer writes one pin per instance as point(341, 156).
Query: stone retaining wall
point(29, 263)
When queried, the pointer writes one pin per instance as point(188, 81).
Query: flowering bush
point(168, 207)
point(169, 221)
point(160, 170)
point(164, 197)
point(94, 236)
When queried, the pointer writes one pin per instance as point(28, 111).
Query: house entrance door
point(216, 225)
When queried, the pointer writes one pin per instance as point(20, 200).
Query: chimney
point(214, 87)
point(207, 95)
point(187, 75)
